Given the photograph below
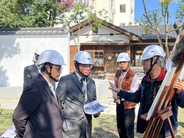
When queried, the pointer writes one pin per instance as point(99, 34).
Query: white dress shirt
point(135, 82)
point(50, 85)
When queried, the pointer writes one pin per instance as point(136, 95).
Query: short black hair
point(36, 56)
point(76, 64)
point(43, 68)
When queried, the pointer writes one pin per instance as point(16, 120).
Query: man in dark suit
point(32, 71)
point(74, 91)
point(38, 113)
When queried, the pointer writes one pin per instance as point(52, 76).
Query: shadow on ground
point(101, 133)
point(181, 124)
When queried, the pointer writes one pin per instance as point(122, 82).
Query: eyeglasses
point(144, 61)
point(58, 68)
point(123, 62)
point(86, 65)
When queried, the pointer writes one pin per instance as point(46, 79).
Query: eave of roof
point(34, 31)
point(104, 43)
point(132, 36)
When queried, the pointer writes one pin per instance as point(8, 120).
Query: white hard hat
point(39, 50)
point(123, 57)
point(151, 51)
point(83, 57)
point(52, 57)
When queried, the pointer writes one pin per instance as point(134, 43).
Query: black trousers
point(125, 121)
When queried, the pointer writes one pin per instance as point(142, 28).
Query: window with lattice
point(96, 53)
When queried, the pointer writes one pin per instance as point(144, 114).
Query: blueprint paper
point(93, 108)
point(10, 133)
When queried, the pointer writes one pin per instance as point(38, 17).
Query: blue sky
point(153, 4)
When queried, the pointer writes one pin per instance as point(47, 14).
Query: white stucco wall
point(113, 8)
point(103, 4)
point(17, 52)
point(103, 36)
point(125, 17)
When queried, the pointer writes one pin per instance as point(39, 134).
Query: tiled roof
point(138, 30)
point(34, 31)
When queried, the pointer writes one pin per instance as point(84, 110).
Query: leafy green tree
point(31, 13)
point(151, 20)
point(83, 12)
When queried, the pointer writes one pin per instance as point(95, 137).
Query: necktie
point(83, 89)
point(120, 81)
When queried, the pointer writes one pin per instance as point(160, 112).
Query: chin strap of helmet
point(152, 64)
point(77, 66)
point(50, 74)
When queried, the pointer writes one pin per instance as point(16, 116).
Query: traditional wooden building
point(137, 48)
point(105, 44)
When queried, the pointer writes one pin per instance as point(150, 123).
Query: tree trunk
point(155, 30)
point(78, 46)
point(72, 34)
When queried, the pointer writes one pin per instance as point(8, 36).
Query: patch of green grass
point(5, 120)
point(103, 126)
point(181, 123)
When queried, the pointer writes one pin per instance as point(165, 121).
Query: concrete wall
point(124, 17)
point(103, 4)
point(11, 93)
point(113, 8)
point(17, 52)
point(14, 93)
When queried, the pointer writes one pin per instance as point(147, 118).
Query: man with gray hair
point(150, 84)
point(127, 80)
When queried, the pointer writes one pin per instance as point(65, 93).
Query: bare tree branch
point(147, 16)
point(164, 14)
point(176, 28)
point(178, 37)
point(152, 26)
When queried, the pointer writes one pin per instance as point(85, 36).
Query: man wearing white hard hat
point(74, 91)
point(38, 113)
point(127, 80)
point(152, 57)
point(32, 71)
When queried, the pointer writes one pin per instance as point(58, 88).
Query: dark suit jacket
point(38, 113)
point(30, 72)
point(76, 123)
